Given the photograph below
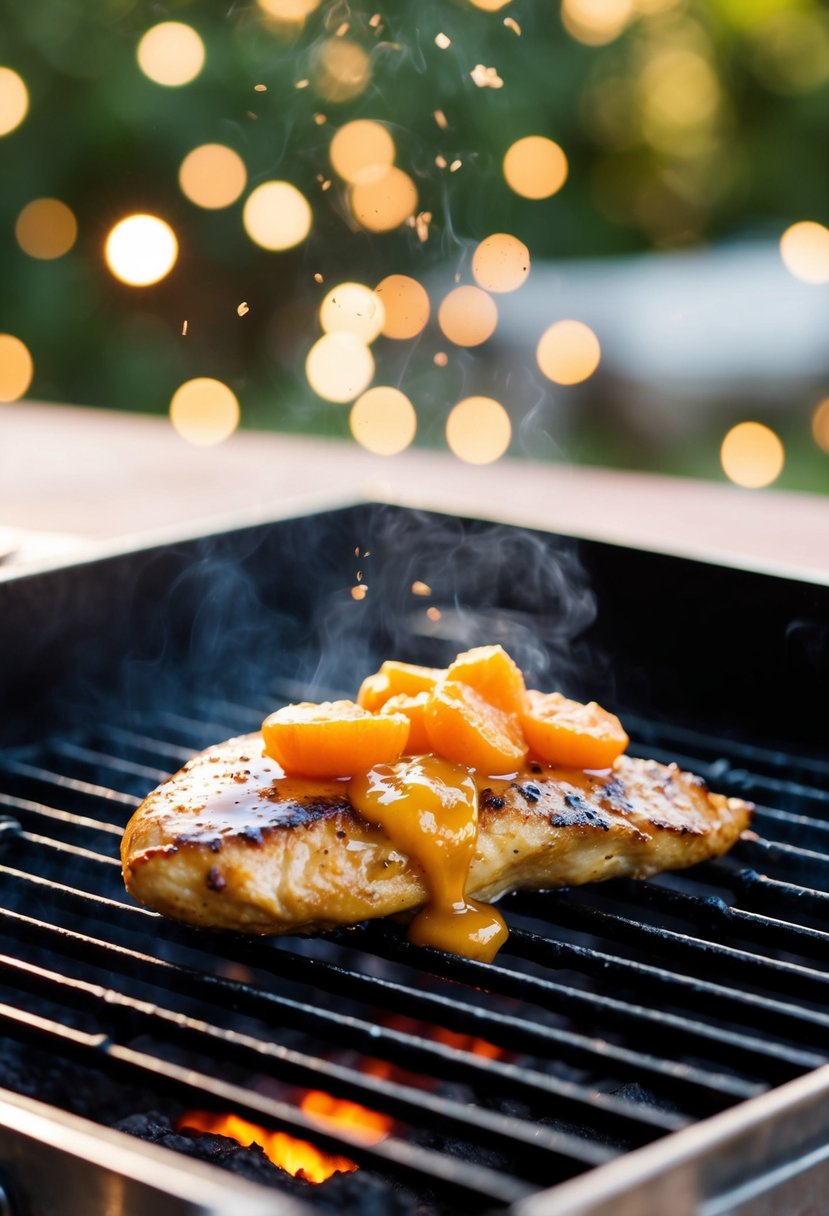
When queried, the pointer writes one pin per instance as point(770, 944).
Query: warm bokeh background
point(670, 208)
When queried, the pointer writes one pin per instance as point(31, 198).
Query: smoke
point(260, 615)
point(489, 583)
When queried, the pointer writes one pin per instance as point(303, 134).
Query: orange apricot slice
point(571, 734)
point(396, 679)
point(333, 739)
point(415, 710)
point(464, 727)
point(493, 674)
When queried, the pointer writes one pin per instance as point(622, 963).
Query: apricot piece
point(415, 710)
point(493, 674)
point(571, 734)
point(333, 739)
point(396, 679)
point(468, 729)
point(374, 691)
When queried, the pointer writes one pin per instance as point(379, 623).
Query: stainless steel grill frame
point(708, 991)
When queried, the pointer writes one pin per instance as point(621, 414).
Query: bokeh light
point(535, 167)
point(340, 69)
point(678, 93)
point(14, 100)
point(212, 176)
point(568, 352)
point(383, 420)
point(385, 203)
point(468, 316)
point(16, 368)
point(406, 305)
point(171, 54)
point(362, 151)
point(791, 50)
point(288, 10)
point(339, 367)
point(141, 249)
point(204, 411)
point(277, 216)
point(46, 228)
point(501, 263)
point(752, 455)
point(820, 425)
point(595, 22)
point(355, 309)
point(478, 430)
point(804, 248)
point(490, 6)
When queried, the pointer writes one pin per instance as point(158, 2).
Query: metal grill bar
point(118, 764)
point(42, 776)
point(699, 1090)
point(527, 1145)
point(71, 850)
point(792, 829)
point(25, 809)
point(795, 902)
point(792, 978)
point(663, 985)
point(802, 866)
point(196, 728)
point(713, 915)
point(699, 745)
point(751, 1055)
point(119, 736)
point(608, 1114)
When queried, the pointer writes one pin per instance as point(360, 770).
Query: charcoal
point(359, 1193)
point(250, 1163)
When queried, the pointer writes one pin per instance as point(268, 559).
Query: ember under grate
point(616, 1015)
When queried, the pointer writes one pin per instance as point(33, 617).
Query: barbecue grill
point(635, 1048)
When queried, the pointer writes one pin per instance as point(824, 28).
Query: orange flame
point(440, 1034)
point(298, 1157)
point(468, 1042)
point(370, 1126)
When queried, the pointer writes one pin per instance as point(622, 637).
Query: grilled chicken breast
point(229, 842)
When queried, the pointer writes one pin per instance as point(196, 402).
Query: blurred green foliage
point(702, 120)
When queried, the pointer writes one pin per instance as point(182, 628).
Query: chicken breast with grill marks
point(229, 842)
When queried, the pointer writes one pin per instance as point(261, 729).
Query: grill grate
point(625, 1011)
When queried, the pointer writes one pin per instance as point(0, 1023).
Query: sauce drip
point(429, 809)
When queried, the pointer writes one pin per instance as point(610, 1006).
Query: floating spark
point(486, 78)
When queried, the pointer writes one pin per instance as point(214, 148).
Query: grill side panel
point(57, 1163)
point(769, 1157)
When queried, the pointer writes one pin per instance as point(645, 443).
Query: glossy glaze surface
point(429, 809)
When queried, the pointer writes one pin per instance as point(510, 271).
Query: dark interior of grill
point(616, 1014)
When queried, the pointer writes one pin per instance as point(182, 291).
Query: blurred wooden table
point(71, 478)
